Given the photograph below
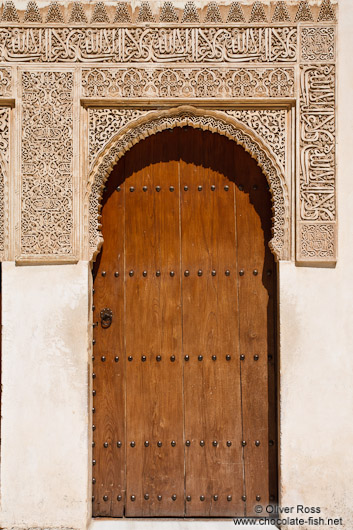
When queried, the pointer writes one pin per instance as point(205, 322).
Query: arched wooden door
point(184, 333)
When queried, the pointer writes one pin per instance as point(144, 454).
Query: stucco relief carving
point(268, 124)
point(46, 164)
point(317, 242)
point(188, 82)
point(154, 122)
point(5, 82)
point(317, 44)
point(4, 166)
point(187, 53)
point(316, 197)
point(149, 44)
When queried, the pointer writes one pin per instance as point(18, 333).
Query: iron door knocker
point(106, 317)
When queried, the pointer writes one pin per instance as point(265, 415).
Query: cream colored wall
point(45, 461)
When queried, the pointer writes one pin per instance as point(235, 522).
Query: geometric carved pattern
point(213, 13)
point(188, 82)
point(46, 164)
point(32, 13)
point(78, 14)
point(235, 13)
point(304, 13)
point(5, 82)
point(317, 43)
point(9, 13)
point(281, 13)
point(149, 44)
point(145, 13)
point(317, 242)
point(54, 13)
point(122, 15)
point(190, 13)
point(100, 14)
point(326, 13)
point(168, 13)
point(4, 164)
point(258, 13)
point(219, 122)
point(317, 197)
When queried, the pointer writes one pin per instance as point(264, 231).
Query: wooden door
point(184, 333)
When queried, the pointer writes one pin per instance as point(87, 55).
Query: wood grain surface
point(185, 375)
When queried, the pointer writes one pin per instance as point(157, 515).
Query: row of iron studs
point(186, 273)
point(173, 443)
point(186, 188)
point(172, 358)
point(188, 497)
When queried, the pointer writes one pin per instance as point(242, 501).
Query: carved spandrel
point(149, 44)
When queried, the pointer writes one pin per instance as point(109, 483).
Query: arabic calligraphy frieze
point(149, 44)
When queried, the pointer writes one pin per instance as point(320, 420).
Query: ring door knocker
point(106, 317)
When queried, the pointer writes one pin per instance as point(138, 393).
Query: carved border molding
point(4, 178)
point(151, 122)
point(201, 82)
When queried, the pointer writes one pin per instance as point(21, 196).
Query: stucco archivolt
point(152, 122)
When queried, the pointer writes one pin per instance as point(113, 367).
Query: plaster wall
point(44, 447)
point(45, 451)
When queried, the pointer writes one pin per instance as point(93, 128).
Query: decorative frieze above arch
point(143, 124)
point(248, 59)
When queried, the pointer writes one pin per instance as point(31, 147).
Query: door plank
point(153, 328)
point(212, 387)
point(108, 365)
point(254, 258)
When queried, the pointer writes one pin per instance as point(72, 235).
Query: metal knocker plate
point(106, 317)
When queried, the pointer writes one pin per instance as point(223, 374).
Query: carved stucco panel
point(149, 44)
point(155, 121)
point(5, 82)
point(46, 164)
point(316, 192)
point(317, 43)
point(202, 82)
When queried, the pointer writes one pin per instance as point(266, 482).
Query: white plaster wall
point(44, 451)
point(316, 311)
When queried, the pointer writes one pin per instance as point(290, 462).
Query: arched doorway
point(184, 339)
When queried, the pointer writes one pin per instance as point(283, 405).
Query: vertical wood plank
point(213, 467)
point(155, 475)
point(108, 364)
point(256, 326)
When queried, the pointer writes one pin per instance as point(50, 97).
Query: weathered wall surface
point(45, 463)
